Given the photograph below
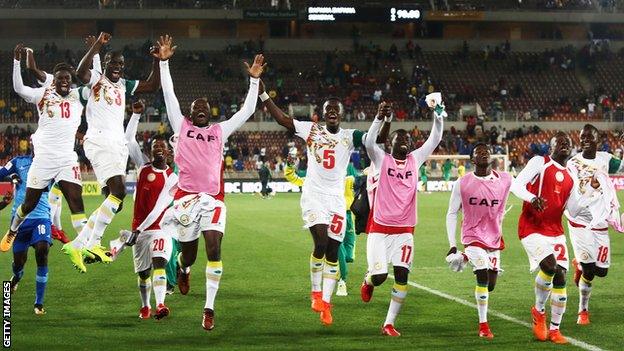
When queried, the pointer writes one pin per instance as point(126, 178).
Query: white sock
point(482, 295)
point(145, 290)
point(18, 218)
point(214, 270)
point(399, 292)
point(331, 272)
point(316, 273)
point(558, 301)
point(56, 204)
point(106, 213)
point(585, 288)
point(543, 285)
point(159, 282)
point(79, 220)
point(82, 240)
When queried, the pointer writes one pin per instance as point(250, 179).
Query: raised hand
point(17, 53)
point(104, 38)
point(90, 40)
point(138, 107)
point(257, 67)
point(384, 110)
point(166, 49)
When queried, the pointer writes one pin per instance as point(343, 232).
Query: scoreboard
point(364, 14)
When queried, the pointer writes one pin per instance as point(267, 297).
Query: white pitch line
point(575, 342)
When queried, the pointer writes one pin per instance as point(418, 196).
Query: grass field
point(263, 302)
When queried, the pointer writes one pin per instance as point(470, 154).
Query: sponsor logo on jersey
point(559, 176)
point(151, 177)
point(483, 202)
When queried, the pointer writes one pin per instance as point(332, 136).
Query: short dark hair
point(476, 146)
point(110, 55)
point(63, 66)
point(592, 128)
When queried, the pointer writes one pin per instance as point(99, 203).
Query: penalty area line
point(578, 343)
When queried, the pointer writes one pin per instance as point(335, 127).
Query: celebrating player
point(591, 244)
point(390, 237)
point(482, 196)
point(60, 108)
point(199, 208)
point(104, 142)
point(545, 185)
point(322, 203)
point(34, 231)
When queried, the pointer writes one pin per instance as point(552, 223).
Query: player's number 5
point(336, 224)
point(329, 159)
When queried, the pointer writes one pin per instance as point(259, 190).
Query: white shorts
point(325, 209)
point(211, 220)
point(108, 158)
point(151, 244)
point(42, 173)
point(591, 246)
point(538, 247)
point(481, 258)
point(397, 249)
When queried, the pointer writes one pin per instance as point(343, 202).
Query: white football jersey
point(583, 170)
point(59, 118)
point(328, 156)
point(106, 108)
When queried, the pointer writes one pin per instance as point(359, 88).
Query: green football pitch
point(263, 301)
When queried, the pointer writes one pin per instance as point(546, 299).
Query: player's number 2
point(329, 159)
point(561, 250)
point(65, 111)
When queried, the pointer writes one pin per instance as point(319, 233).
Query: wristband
point(264, 97)
point(388, 119)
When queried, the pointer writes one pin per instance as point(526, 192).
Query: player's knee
point(491, 286)
point(549, 265)
point(378, 279)
point(41, 254)
point(144, 275)
point(159, 262)
point(400, 275)
point(601, 272)
point(320, 247)
point(482, 277)
point(589, 270)
point(214, 254)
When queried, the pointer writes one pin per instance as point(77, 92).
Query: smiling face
point(589, 139)
point(62, 82)
point(481, 155)
point(160, 150)
point(332, 113)
point(401, 143)
point(561, 145)
point(200, 113)
point(114, 64)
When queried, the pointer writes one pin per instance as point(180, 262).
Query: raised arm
point(385, 131)
point(434, 138)
point(282, 118)
point(165, 51)
point(42, 76)
point(528, 173)
point(451, 216)
point(134, 150)
point(83, 72)
point(375, 153)
point(27, 93)
point(152, 83)
point(249, 106)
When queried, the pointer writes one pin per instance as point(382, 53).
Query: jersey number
point(560, 248)
point(117, 98)
point(42, 229)
point(329, 159)
point(216, 215)
point(493, 261)
point(76, 171)
point(159, 244)
point(406, 253)
point(336, 224)
point(603, 254)
point(65, 111)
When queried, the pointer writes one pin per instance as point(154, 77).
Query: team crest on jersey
point(311, 217)
point(151, 177)
point(345, 141)
point(185, 219)
point(559, 176)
